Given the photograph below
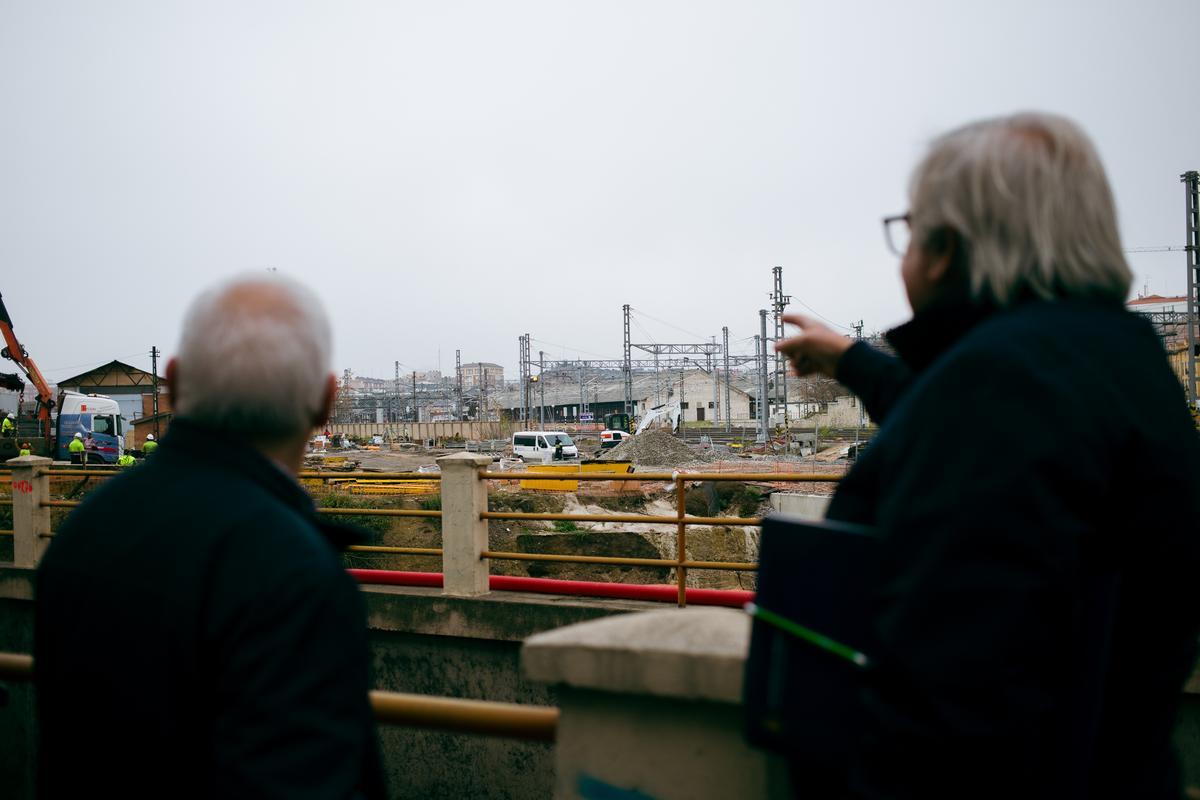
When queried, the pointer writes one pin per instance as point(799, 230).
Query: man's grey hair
point(254, 358)
point(1029, 196)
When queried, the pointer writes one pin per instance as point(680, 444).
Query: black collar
point(930, 333)
point(189, 440)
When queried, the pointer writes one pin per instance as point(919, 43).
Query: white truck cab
point(543, 446)
point(97, 418)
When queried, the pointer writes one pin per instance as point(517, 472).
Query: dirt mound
point(651, 447)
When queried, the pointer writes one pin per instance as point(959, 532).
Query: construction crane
point(16, 352)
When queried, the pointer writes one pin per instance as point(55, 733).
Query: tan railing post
point(464, 531)
point(681, 537)
point(31, 522)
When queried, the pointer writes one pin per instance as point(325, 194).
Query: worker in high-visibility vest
point(125, 460)
point(76, 449)
point(25, 450)
point(7, 426)
point(149, 446)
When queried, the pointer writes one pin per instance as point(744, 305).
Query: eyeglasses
point(897, 232)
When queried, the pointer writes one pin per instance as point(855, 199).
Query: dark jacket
point(197, 636)
point(1036, 481)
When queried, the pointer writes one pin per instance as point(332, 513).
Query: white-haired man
point(211, 644)
point(1035, 483)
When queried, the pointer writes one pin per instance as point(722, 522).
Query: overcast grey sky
point(455, 174)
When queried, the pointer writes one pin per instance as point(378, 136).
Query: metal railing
point(681, 519)
point(308, 475)
point(480, 481)
point(398, 477)
point(509, 720)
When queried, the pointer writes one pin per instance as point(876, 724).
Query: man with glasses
point(1035, 484)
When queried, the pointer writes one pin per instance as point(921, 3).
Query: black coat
point(197, 636)
point(1036, 481)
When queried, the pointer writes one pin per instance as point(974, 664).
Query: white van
point(541, 446)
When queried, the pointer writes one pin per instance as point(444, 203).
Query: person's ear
point(326, 410)
point(944, 246)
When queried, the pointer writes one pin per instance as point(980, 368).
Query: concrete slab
point(695, 653)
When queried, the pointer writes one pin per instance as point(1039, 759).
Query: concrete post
point(31, 522)
point(650, 705)
point(464, 534)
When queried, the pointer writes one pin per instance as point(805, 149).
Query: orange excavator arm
point(15, 352)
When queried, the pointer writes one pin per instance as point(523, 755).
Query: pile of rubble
point(651, 447)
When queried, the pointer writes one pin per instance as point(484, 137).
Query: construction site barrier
point(484, 717)
point(681, 563)
point(471, 547)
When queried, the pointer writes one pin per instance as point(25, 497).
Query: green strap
point(809, 635)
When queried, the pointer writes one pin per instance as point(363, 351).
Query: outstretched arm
point(876, 378)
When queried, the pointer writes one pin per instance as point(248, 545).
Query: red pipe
point(732, 598)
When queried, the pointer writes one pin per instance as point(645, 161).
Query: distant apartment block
point(473, 375)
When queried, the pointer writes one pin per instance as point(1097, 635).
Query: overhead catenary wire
point(819, 315)
point(697, 336)
point(568, 347)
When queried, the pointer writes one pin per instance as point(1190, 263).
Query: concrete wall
point(422, 642)
point(428, 643)
point(841, 413)
point(804, 506)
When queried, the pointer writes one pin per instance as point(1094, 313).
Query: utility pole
point(541, 390)
point(579, 375)
point(154, 400)
point(728, 409)
point(416, 408)
point(396, 394)
point(458, 408)
point(483, 401)
point(682, 411)
point(764, 417)
point(1191, 182)
point(628, 370)
point(779, 301)
point(524, 370)
point(716, 402)
point(858, 329)
point(658, 401)
point(760, 437)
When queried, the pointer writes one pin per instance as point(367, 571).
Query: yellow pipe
point(379, 512)
point(575, 517)
point(391, 476)
point(629, 518)
point(799, 477)
point(16, 667)
point(568, 559)
point(620, 561)
point(412, 551)
point(539, 723)
point(59, 503)
point(576, 476)
point(796, 477)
